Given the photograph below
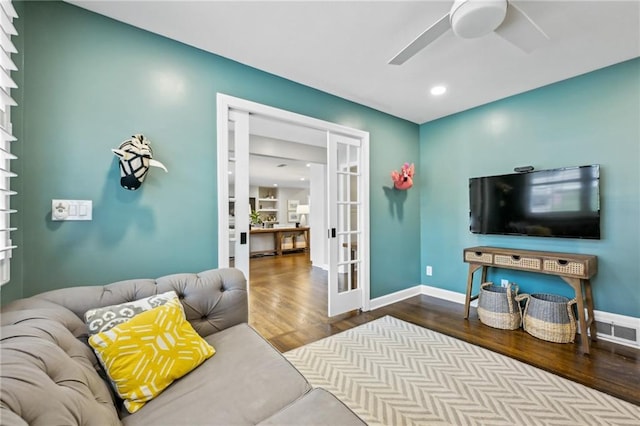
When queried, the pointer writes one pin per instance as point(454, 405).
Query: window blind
point(7, 30)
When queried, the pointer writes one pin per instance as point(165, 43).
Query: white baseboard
point(322, 266)
point(452, 296)
point(623, 320)
point(441, 293)
point(398, 296)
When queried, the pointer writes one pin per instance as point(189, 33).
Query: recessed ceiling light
point(230, 172)
point(308, 164)
point(275, 184)
point(302, 178)
point(438, 90)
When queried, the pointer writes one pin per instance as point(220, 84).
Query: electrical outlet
point(429, 271)
point(504, 283)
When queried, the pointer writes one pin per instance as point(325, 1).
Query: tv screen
point(547, 203)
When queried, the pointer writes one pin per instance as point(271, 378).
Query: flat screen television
point(547, 203)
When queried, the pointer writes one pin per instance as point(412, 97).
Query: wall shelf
point(267, 204)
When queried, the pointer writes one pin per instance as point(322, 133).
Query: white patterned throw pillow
point(102, 319)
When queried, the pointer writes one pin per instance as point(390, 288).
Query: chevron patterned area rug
point(391, 372)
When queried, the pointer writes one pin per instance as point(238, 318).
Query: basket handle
point(571, 302)
point(487, 284)
point(520, 298)
point(510, 288)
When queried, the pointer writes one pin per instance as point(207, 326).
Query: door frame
point(225, 103)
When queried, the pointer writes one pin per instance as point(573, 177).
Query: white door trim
point(241, 190)
point(224, 104)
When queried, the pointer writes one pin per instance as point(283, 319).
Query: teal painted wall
point(590, 119)
point(89, 83)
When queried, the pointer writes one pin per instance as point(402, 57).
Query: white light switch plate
point(71, 210)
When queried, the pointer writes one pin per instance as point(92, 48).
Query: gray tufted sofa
point(49, 375)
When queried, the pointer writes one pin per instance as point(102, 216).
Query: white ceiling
point(342, 47)
point(284, 173)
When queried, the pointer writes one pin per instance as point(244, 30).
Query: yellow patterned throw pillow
point(147, 353)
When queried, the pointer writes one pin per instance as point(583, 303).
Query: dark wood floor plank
point(288, 306)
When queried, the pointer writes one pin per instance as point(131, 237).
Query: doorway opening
point(344, 208)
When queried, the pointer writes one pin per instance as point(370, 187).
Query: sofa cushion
point(147, 353)
point(318, 407)
point(105, 318)
point(246, 382)
point(47, 374)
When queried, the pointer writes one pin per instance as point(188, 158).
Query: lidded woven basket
point(549, 317)
point(497, 306)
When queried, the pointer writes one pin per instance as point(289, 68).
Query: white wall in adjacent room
point(318, 215)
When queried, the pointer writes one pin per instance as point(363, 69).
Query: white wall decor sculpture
point(136, 157)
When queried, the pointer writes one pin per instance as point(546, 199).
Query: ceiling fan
point(475, 18)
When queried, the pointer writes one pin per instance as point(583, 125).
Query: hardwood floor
point(288, 306)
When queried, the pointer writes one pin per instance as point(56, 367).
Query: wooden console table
point(575, 269)
point(278, 233)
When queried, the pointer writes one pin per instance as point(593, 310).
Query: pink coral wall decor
point(404, 178)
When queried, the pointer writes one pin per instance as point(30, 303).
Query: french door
point(347, 247)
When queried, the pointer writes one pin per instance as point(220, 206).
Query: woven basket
point(287, 242)
point(549, 317)
point(498, 308)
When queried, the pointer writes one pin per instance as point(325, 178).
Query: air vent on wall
point(618, 333)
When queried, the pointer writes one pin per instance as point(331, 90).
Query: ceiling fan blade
point(520, 30)
point(422, 41)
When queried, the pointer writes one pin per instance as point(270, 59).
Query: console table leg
point(278, 242)
point(468, 298)
point(588, 299)
point(576, 283)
